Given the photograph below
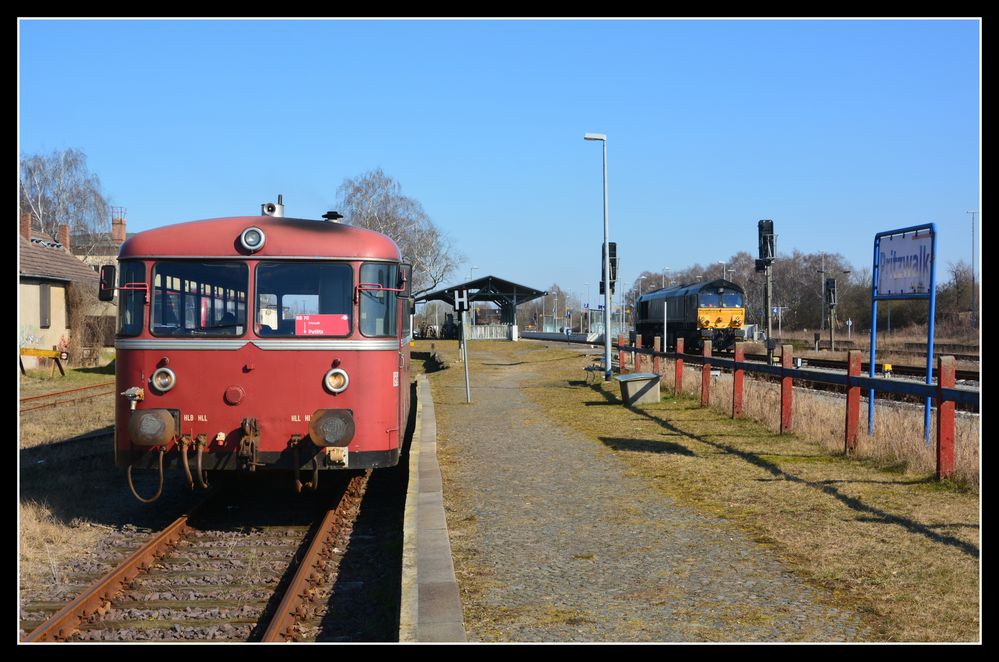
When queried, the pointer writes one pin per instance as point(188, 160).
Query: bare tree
point(375, 201)
point(59, 188)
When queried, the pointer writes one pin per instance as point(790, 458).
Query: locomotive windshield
point(731, 300)
point(720, 300)
point(199, 299)
point(304, 299)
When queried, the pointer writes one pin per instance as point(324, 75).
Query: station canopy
point(503, 293)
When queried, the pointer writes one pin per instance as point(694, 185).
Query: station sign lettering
point(904, 263)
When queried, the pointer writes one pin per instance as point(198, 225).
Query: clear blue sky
point(834, 129)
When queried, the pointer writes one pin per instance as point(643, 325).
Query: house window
point(45, 306)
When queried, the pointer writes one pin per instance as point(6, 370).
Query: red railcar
point(258, 343)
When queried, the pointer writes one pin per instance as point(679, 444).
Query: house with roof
point(47, 272)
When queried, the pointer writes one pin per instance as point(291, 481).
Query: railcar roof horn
point(273, 208)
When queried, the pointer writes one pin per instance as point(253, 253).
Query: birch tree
point(375, 201)
point(59, 188)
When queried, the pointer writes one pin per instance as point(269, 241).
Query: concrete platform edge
point(440, 618)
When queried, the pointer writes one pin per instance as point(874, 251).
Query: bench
point(639, 387)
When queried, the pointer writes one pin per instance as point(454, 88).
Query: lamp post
point(724, 270)
point(606, 268)
point(665, 269)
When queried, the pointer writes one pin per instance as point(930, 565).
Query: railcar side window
point(304, 299)
point(378, 308)
point(199, 298)
point(131, 303)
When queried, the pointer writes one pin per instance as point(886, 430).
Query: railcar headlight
point(163, 380)
point(336, 380)
point(152, 427)
point(332, 427)
point(252, 239)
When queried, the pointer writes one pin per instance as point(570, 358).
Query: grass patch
point(40, 381)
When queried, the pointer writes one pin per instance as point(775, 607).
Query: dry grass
point(896, 338)
point(898, 440)
point(57, 423)
point(46, 544)
point(64, 421)
point(899, 548)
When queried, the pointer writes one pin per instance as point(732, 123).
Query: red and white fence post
point(737, 377)
point(706, 375)
point(785, 389)
point(638, 357)
point(678, 380)
point(945, 418)
point(852, 401)
point(657, 346)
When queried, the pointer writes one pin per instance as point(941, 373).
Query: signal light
point(163, 380)
point(252, 239)
point(336, 380)
point(768, 245)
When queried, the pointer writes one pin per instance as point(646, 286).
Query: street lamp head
point(595, 136)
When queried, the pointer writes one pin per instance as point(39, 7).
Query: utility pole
point(974, 308)
point(831, 301)
point(822, 308)
point(770, 320)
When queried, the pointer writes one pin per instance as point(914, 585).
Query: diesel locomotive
point(713, 310)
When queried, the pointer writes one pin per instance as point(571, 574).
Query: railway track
point(69, 396)
point(903, 370)
point(229, 570)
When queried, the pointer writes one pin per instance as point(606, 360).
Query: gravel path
point(554, 541)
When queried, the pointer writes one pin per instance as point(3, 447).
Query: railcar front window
point(378, 305)
point(131, 303)
point(304, 299)
point(199, 299)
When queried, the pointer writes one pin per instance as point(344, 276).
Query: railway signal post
point(768, 253)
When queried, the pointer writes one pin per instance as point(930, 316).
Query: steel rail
point(97, 597)
point(59, 393)
point(67, 401)
point(301, 589)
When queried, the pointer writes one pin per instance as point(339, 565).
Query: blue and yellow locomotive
point(714, 311)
